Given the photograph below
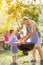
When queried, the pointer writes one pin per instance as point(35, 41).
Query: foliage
point(0, 3)
point(32, 11)
point(19, 10)
point(8, 2)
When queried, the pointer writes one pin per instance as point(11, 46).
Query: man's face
point(25, 22)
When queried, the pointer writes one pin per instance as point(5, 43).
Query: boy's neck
point(12, 34)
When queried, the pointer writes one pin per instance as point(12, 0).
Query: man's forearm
point(28, 36)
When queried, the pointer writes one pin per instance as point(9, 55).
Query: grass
point(6, 58)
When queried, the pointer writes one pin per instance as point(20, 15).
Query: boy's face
point(13, 32)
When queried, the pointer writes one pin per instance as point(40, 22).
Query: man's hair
point(25, 18)
point(11, 31)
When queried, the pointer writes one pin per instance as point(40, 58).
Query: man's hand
point(19, 41)
point(23, 42)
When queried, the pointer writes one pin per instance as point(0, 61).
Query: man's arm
point(27, 36)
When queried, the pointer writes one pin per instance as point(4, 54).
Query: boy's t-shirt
point(13, 46)
point(13, 39)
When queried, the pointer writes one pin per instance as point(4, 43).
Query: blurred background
point(11, 13)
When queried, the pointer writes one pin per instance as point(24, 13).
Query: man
point(30, 26)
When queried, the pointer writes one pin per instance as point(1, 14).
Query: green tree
point(18, 10)
point(32, 11)
point(0, 3)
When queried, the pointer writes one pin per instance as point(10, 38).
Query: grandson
point(14, 49)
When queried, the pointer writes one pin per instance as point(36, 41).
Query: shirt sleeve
point(34, 25)
point(30, 28)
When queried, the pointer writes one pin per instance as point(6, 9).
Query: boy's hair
point(11, 31)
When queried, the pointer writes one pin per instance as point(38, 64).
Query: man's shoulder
point(32, 22)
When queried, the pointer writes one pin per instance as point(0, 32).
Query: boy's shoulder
point(13, 36)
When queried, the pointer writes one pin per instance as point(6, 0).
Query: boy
point(14, 49)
